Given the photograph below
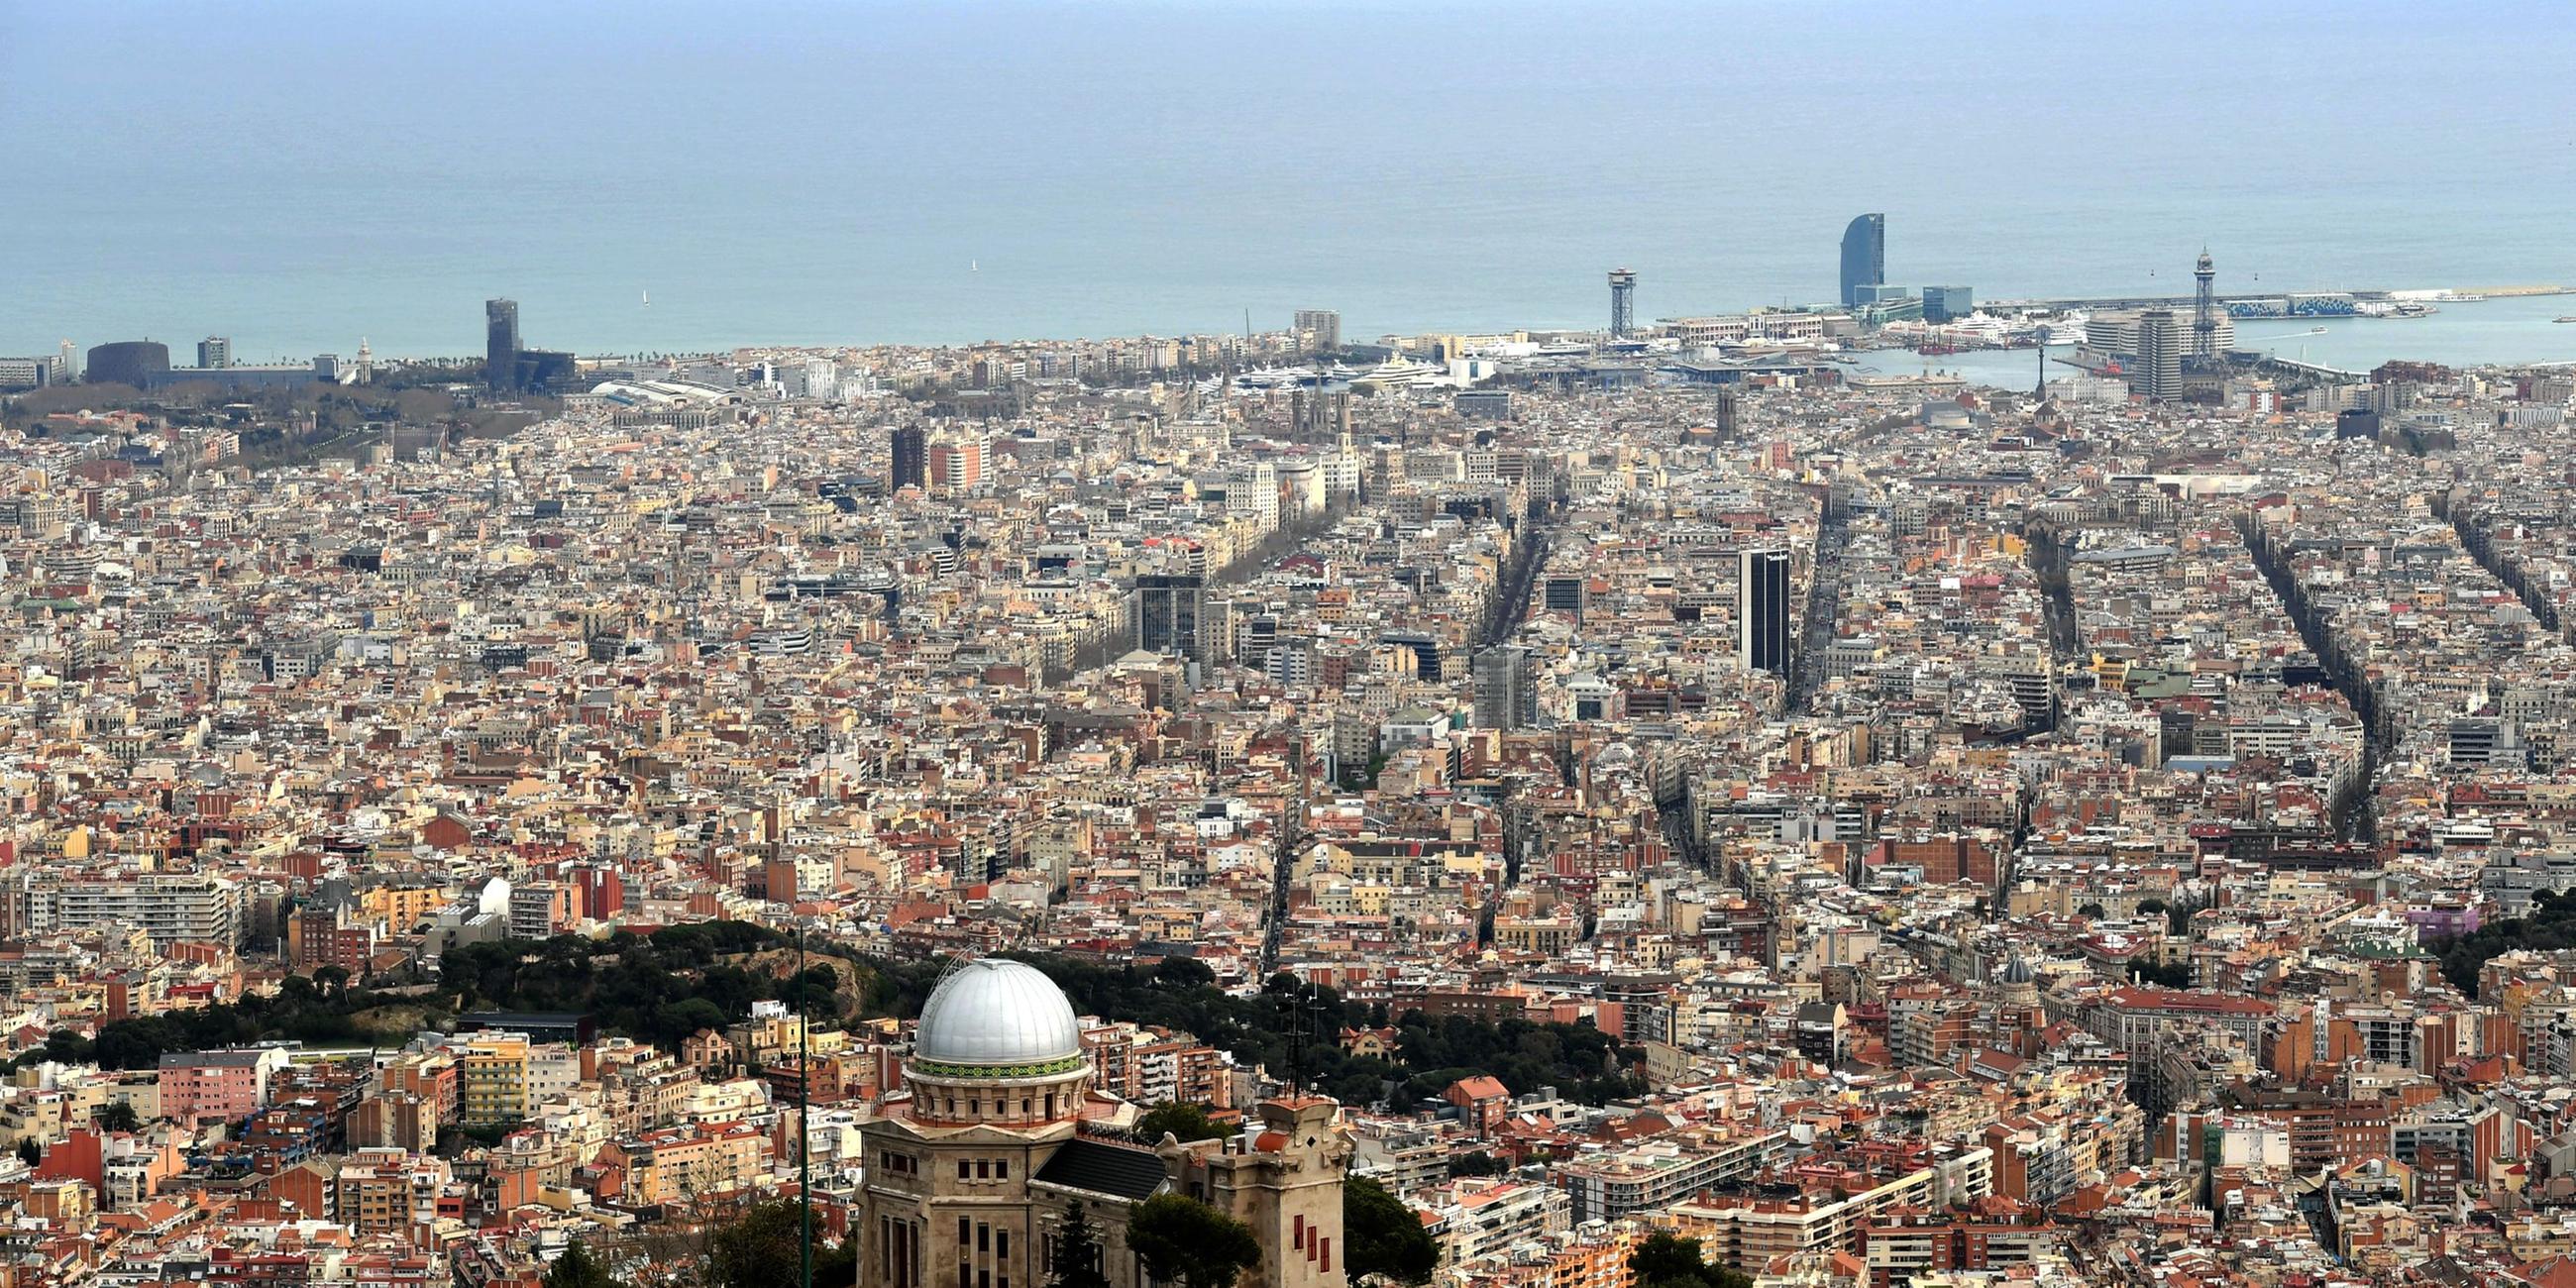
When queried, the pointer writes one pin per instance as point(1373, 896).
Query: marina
point(2492, 327)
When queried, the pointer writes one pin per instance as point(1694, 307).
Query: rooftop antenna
point(804, 1118)
point(1296, 1040)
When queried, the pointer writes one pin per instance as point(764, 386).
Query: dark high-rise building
point(1864, 256)
point(2158, 374)
point(545, 369)
point(911, 457)
point(1762, 611)
point(1168, 609)
point(1506, 688)
point(1729, 413)
point(1564, 594)
point(501, 343)
point(140, 363)
point(1623, 303)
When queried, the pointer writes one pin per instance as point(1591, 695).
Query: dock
point(2181, 302)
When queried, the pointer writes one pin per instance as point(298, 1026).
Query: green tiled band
point(1049, 1068)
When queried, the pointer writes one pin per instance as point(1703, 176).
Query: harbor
point(2467, 328)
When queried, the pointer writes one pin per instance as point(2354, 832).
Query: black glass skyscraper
point(1864, 256)
point(501, 343)
point(1762, 611)
point(911, 458)
point(1168, 606)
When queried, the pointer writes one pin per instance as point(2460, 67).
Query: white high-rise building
point(815, 378)
point(1252, 492)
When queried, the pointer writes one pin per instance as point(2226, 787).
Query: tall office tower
point(1319, 415)
point(1729, 413)
point(1322, 328)
point(1762, 610)
point(2159, 373)
point(1623, 303)
point(1506, 688)
point(2204, 310)
point(501, 343)
point(214, 353)
point(1864, 256)
point(958, 465)
point(1947, 303)
point(1169, 607)
point(911, 458)
point(69, 368)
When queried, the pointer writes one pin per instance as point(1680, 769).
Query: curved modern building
point(1864, 256)
point(139, 363)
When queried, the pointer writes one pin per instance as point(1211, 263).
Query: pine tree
point(576, 1268)
point(1077, 1253)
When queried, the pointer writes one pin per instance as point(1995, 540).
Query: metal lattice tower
point(1623, 303)
point(2204, 310)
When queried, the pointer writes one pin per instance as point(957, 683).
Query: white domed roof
point(1003, 1017)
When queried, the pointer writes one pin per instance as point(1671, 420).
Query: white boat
point(1397, 373)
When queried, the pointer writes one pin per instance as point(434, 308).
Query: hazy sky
point(297, 175)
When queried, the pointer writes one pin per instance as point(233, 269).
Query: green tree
point(762, 1247)
point(1077, 1253)
point(29, 1152)
point(1665, 1258)
point(2178, 917)
point(1185, 1121)
point(1475, 1163)
point(836, 1264)
point(118, 1117)
point(2091, 912)
point(576, 1268)
point(1669, 1261)
point(1181, 1240)
point(1184, 972)
point(1383, 1236)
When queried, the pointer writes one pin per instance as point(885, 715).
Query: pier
point(2184, 302)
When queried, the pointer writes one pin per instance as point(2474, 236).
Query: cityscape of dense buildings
point(1659, 780)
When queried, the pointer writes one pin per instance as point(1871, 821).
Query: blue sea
point(298, 174)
